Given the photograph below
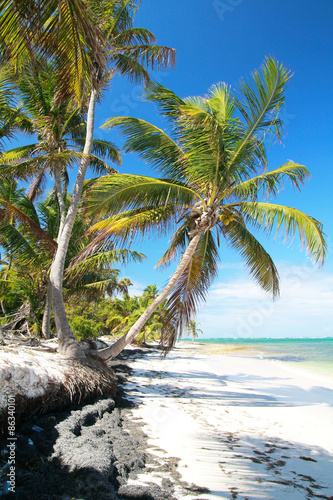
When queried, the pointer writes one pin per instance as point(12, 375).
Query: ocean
point(314, 354)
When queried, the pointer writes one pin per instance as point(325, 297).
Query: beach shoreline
point(241, 426)
point(197, 424)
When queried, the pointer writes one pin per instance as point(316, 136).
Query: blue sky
point(224, 41)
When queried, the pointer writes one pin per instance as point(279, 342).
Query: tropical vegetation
point(214, 186)
point(27, 235)
point(193, 329)
point(113, 314)
point(212, 183)
point(86, 44)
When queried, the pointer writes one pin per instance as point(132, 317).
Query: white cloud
point(136, 289)
point(239, 308)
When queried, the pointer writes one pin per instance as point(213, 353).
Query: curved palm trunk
point(68, 345)
point(120, 344)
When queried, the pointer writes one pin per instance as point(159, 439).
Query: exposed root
point(41, 384)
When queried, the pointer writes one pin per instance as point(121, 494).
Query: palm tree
point(129, 50)
point(65, 31)
point(60, 130)
point(214, 175)
point(192, 329)
point(127, 310)
point(123, 285)
point(91, 41)
point(28, 237)
point(27, 247)
point(12, 117)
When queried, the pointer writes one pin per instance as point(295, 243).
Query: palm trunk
point(3, 308)
point(60, 198)
point(62, 210)
point(47, 312)
point(112, 351)
point(68, 345)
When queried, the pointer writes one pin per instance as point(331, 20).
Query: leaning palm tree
point(215, 185)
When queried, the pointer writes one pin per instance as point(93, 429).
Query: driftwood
point(19, 324)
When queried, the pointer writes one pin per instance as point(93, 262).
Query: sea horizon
point(309, 353)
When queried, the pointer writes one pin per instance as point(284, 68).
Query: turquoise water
point(315, 354)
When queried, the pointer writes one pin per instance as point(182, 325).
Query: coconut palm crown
point(214, 184)
point(60, 130)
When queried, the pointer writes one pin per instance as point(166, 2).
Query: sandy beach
point(242, 427)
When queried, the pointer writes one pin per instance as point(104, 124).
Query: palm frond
point(100, 167)
point(88, 291)
point(135, 36)
point(153, 56)
point(270, 183)
point(127, 66)
point(99, 261)
point(63, 30)
point(101, 148)
point(177, 246)
point(257, 260)
point(166, 101)
point(36, 185)
point(291, 221)
point(264, 97)
point(15, 243)
point(20, 216)
point(13, 155)
point(126, 226)
point(118, 192)
point(262, 101)
point(152, 144)
point(191, 288)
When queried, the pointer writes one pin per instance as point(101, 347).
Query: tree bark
point(47, 312)
point(3, 308)
point(60, 198)
point(112, 351)
point(68, 345)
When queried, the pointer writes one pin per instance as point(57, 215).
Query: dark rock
point(143, 492)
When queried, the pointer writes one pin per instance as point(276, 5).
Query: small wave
point(287, 358)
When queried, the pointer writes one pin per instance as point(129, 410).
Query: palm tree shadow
point(170, 384)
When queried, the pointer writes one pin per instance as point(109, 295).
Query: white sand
point(243, 427)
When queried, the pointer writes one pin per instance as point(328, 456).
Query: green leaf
point(291, 222)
